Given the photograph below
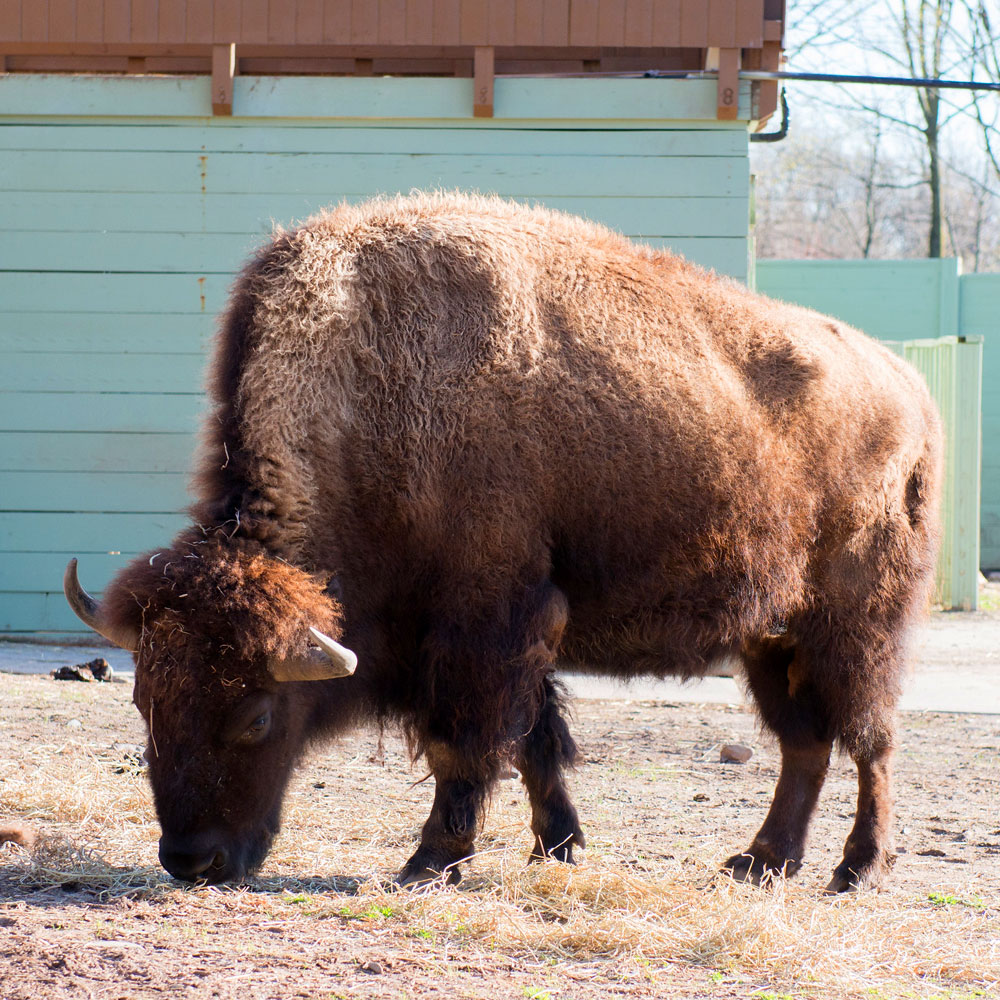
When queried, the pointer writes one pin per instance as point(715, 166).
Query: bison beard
point(474, 440)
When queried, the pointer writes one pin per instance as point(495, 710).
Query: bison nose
point(194, 859)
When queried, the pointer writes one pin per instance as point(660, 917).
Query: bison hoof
point(561, 851)
point(757, 868)
point(416, 875)
point(851, 876)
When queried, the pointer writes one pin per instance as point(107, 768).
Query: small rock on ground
point(735, 753)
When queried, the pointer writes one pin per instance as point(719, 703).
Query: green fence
point(979, 316)
point(952, 368)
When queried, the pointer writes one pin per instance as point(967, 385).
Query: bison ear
point(329, 661)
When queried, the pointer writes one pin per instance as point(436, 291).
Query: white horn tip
point(339, 654)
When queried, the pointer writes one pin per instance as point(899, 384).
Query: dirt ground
point(88, 913)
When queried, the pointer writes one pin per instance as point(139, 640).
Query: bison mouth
point(212, 856)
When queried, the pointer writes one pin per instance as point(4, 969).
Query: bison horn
point(323, 664)
point(89, 612)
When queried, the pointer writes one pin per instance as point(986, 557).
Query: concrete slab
point(956, 668)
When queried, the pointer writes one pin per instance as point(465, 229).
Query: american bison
point(475, 441)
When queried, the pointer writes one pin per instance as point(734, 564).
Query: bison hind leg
point(833, 678)
point(868, 856)
point(790, 707)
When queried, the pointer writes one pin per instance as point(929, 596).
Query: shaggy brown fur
point(469, 437)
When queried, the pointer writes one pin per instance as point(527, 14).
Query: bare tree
point(986, 50)
point(919, 39)
point(823, 199)
point(926, 44)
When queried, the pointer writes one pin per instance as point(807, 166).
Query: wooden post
point(770, 59)
point(482, 106)
point(729, 85)
point(223, 71)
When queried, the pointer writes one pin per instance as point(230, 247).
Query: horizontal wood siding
point(123, 234)
point(526, 103)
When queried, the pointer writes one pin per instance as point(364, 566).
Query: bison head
point(220, 634)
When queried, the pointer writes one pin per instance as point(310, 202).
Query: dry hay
point(100, 835)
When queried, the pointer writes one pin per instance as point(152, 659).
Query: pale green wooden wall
point(910, 301)
point(127, 209)
point(888, 299)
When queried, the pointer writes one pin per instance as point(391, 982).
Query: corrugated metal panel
point(124, 233)
point(979, 315)
point(952, 368)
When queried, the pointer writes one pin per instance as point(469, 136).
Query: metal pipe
point(764, 74)
point(893, 81)
point(782, 132)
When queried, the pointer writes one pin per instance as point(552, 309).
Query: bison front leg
point(547, 749)
point(513, 711)
point(449, 834)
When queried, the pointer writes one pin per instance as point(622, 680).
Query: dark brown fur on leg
point(868, 854)
point(780, 843)
point(473, 736)
point(542, 755)
point(790, 708)
point(449, 834)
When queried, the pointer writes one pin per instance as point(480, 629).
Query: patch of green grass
point(946, 899)
point(536, 993)
point(877, 994)
point(374, 912)
point(989, 598)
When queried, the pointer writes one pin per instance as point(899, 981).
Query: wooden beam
point(729, 85)
point(767, 101)
point(223, 71)
point(652, 56)
point(482, 106)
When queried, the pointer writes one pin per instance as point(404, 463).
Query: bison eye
point(256, 731)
